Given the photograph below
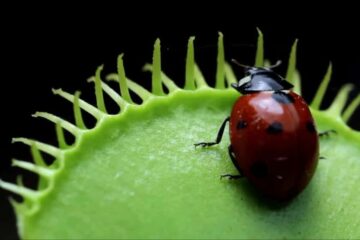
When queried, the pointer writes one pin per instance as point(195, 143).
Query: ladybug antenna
point(239, 64)
point(278, 63)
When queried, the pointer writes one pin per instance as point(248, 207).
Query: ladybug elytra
point(273, 138)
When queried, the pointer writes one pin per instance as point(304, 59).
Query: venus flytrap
point(137, 175)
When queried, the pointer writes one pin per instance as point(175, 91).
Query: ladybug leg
point(326, 133)
point(233, 159)
point(229, 176)
point(218, 138)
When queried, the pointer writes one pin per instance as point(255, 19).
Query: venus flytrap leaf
point(199, 78)
point(135, 87)
point(122, 80)
point(60, 136)
point(297, 82)
point(36, 155)
point(39, 161)
point(112, 94)
point(292, 63)
point(42, 171)
point(21, 210)
point(18, 207)
point(19, 180)
point(351, 108)
point(259, 59)
point(171, 86)
point(190, 63)
point(84, 105)
point(338, 104)
point(98, 90)
point(291, 74)
point(41, 146)
point(26, 203)
point(77, 112)
point(156, 73)
point(22, 191)
point(63, 123)
point(220, 73)
point(139, 90)
point(322, 89)
point(136, 174)
point(229, 74)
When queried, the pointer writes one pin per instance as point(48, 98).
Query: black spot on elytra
point(282, 97)
point(259, 169)
point(275, 128)
point(310, 127)
point(241, 124)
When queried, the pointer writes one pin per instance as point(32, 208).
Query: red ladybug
point(274, 142)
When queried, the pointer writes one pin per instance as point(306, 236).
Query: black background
point(46, 47)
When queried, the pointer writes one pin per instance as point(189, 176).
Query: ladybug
point(273, 139)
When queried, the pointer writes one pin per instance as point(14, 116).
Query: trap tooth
point(83, 104)
point(322, 89)
point(53, 151)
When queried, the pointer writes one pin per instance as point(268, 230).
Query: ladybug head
point(259, 79)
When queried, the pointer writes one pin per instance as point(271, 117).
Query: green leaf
point(156, 74)
point(259, 59)
point(137, 174)
point(220, 70)
point(292, 74)
point(190, 65)
point(322, 89)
